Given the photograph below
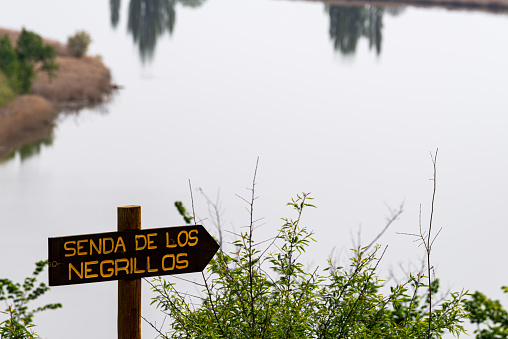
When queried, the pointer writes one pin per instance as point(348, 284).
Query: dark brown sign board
point(126, 255)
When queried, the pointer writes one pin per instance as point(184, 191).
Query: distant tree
point(18, 63)
point(31, 50)
point(6, 92)
point(10, 64)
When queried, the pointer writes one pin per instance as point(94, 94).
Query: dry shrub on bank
point(61, 49)
point(83, 80)
point(26, 119)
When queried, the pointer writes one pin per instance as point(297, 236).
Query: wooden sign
point(129, 254)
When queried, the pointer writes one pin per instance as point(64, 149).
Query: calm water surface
point(343, 103)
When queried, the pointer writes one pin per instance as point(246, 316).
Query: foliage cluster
point(490, 318)
point(17, 296)
point(77, 45)
point(255, 292)
point(183, 212)
point(18, 63)
point(268, 293)
point(6, 92)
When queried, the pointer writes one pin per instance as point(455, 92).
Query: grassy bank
point(78, 82)
point(25, 120)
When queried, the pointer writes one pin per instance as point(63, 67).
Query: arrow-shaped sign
point(124, 255)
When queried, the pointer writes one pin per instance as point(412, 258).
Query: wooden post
point(129, 291)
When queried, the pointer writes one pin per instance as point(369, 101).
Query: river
point(348, 112)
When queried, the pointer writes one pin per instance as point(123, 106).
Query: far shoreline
point(490, 6)
point(79, 83)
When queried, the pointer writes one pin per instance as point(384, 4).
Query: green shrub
point(20, 319)
point(31, 50)
point(256, 292)
point(17, 64)
point(77, 45)
point(489, 316)
point(9, 64)
point(12, 329)
point(6, 92)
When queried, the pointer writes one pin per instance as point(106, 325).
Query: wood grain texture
point(129, 291)
point(129, 218)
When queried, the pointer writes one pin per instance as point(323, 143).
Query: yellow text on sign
point(110, 267)
point(147, 242)
point(89, 246)
point(184, 238)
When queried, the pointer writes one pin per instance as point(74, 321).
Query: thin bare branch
point(212, 304)
point(192, 202)
point(188, 280)
point(228, 231)
point(160, 333)
point(215, 210)
point(428, 242)
point(239, 196)
point(432, 243)
point(395, 215)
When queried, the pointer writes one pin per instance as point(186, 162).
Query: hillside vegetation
point(36, 83)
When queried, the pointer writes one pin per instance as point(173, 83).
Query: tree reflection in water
point(114, 6)
point(349, 24)
point(192, 3)
point(30, 150)
point(148, 20)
